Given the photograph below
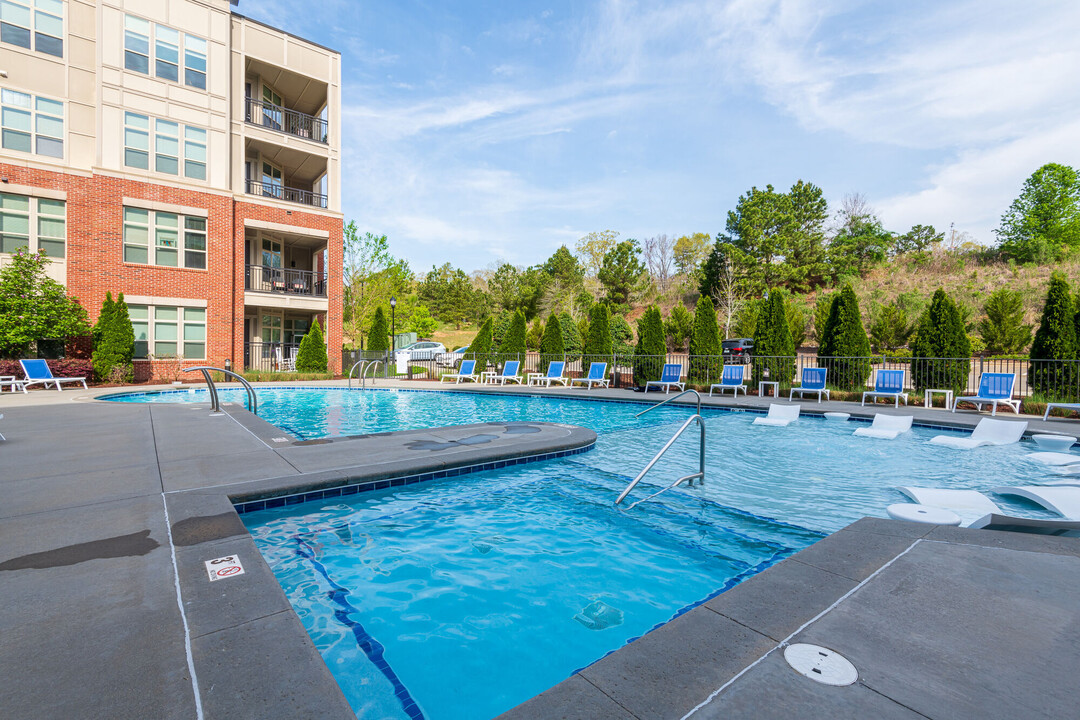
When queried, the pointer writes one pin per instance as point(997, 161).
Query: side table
point(775, 386)
point(928, 398)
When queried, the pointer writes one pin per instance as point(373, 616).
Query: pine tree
point(1003, 329)
point(103, 319)
point(941, 353)
point(679, 326)
point(480, 347)
point(572, 342)
point(311, 357)
point(512, 346)
point(774, 349)
point(1056, 339)
point(845, 349)
point(114, 342)
point(551, 344)
point(705, 357)
point(598, 347)
point(651, 349)
point(379, 335)
point(622, 338)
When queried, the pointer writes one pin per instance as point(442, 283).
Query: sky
point(481, 132)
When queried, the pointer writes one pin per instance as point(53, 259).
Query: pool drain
point(820, 664)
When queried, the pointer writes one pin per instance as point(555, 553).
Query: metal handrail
point(684, 392)
point(364, 364)
point(215, 406)
point(700, 474)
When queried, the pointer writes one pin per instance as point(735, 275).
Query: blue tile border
point(353, 488)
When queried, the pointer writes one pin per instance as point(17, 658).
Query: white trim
point(183, 613)
point(282, 227)
point(37, 192)
point(152, 300)
point(165, 207)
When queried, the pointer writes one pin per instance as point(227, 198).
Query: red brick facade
point(95, 263)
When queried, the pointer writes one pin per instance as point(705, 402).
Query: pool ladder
point(215, 406)
point(365, 365)
point(688, 479)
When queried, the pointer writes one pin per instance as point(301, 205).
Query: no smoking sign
point(224, 567)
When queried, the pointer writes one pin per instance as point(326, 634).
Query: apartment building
point(185, 155)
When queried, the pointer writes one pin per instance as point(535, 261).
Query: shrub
point(679, 326)
point(796, 320)
point(311, 357)
point(535, 334)
point(35, 307)
point(705, 357)
point(501, 327)
point(421, 322)
point(890, 329)
point(845, 348)
point(1056, 339)
point(821, 316)
point(571, 336)
point(622, 338)
point(480, 347)
point(379, 335)
point(512, 346)
point(941, 353)
point(114, 342)
point(551, 345)
point(598, 343)
point(651, 349)
point(773, 347)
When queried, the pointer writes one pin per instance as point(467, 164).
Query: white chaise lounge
point(970, 505)
point(886, 427)
point(1054, 458)
point(987, 432)
point(1061, 499)
point(779, 415)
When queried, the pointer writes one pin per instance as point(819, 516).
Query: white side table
point(775, 388)
point(488, 376)
point(928, 398)
point(913, 512)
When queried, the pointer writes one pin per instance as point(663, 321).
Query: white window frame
point(168, 144)
point(150, 321)
point(39, 23)
point(171, 240)
point(34, 214)
point(166, 47)
point(40, 111)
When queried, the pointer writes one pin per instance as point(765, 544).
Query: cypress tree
point(651, 349)
point(379, 335)
point(598, 347)
point(311, 357)
point(512, 346)
point(1056, 339)
point(941, 353)
point(551, 344)
point(103, 319)
point(480, 347)
point(774, 348)
point(114, 341)
point(571, 337)
point(845, 350)
point(705, 357)
point(501, 327)
point(622, 338)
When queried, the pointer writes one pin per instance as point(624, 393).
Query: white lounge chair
point(1060, 406)
point(993, 521)
point(38, 373)
point(554, 374)
point(888, 384)
point(732, 379)
point(970, 505)
point(1054, 458)
point(669, 377)
point(465, 372)
point(994, 389)
point(1061, 499)
point(987, 432)
point(596, 376)
point(779, 415)
point(886, 427)
point(509, 373)
point(813, 381)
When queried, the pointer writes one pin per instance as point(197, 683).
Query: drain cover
point(820, 664)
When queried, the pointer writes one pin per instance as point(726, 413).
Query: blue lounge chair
point(888, 384)
point(597, 371)
point(509, 373)
point(554, 374)
point(670, 376)
point(38, 373)
point(465, 372)
point(994, 389)
point(813, 381)
point(732, 379)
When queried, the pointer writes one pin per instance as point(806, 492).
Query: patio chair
point(12, 382)
point(554, 374)
point(509, 373)
point(597, 372)
point(670, 376)
point(987, 432)
point(465, 372)
point(732, 379)
point(813, 381)
point(1063, 500)
point(38, 373)
point(886, 427)
point(970, 505)
point(1075, 407)
point(888, 384)
point(994, 389)
point(779, 415)
point(288, 364)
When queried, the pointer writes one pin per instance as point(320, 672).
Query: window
point(153, 238)
point(167, 146)
point(295, 330)
point(31, 124)
point(41, 20)
point(33, 224)
point(168, 331)
point(164, 62)
point(271, 328)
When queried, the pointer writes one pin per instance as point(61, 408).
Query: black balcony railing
point(304, 197)
point(288, 121)
point(287, 281)
point(270, 356)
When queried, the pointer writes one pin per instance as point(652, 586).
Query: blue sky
point(483, 132)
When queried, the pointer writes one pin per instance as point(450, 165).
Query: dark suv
point(738, 350)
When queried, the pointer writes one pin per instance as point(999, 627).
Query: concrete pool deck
point(110, 510)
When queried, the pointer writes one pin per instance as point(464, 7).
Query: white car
point(452, 358)
point(424, 350)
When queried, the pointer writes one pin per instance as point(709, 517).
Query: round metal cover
point(820, 664)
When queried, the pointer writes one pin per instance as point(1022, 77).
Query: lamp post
point(393, 325)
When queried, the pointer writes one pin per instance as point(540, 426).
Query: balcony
point(284, 120)
point(288, 194)
point(285, 281)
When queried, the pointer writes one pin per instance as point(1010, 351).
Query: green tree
point(535, 334)
point(862, 243)
point(796, 320)
point(97, 332)
point(941, 352)
point(920, 238)
point(845, 350)
point(421, 322)
point(572, 342)
point(501, 327)
point(372, 276)
point(690, 251)
point(1003, 329)
point(311, 357)
point(512, 346)
point(679, 326)
point(804, 241)
point(746, 322)
point(598, 345)
point(450, 296)
point(551, 345)
point(714, 272)
point(890, 329)
point(114, 342)
point(622, 338)
point(621, 273)
point(773, 347)
point(1044, 221)
point(757, 229)
point(593, 247)
point(651, 350)
point(822, 308)
point(705, 355)
point(35, 307)
point(481, 346)
point(379, 335)
point(1055, 340)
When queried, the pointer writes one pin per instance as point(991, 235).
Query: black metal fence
point(288, 281)
point(270, 356)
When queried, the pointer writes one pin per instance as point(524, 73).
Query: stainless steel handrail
point(361, 361)
point(665, 402)
point(215, 406)
point(689, 479)
point(363, 371)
